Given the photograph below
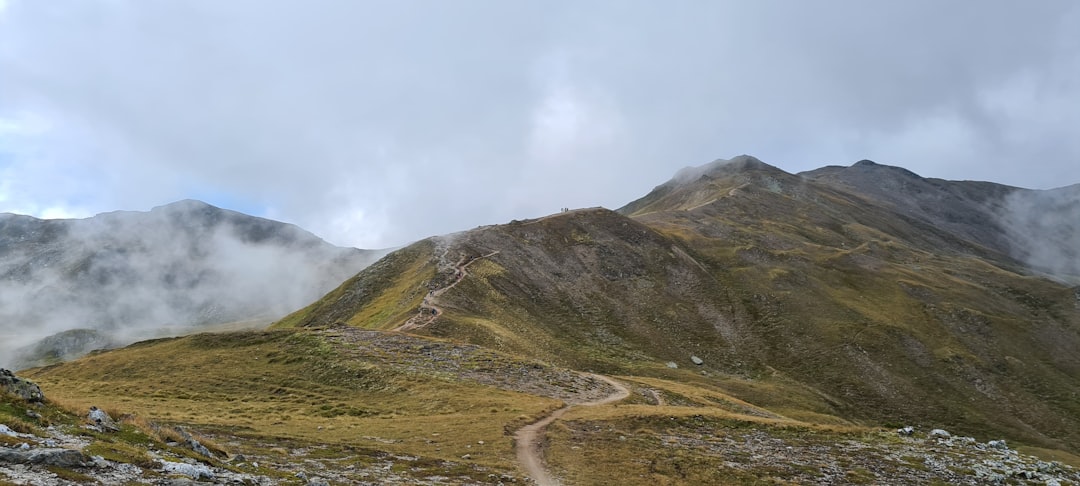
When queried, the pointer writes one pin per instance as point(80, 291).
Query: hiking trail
point(429, 311)
point(527, 439)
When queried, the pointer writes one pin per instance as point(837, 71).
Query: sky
point(373, 124)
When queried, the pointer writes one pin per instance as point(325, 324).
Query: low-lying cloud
point(172, 270)
point(1044, 228)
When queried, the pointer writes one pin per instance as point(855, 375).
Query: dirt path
point(527, 438)
point(429, 311)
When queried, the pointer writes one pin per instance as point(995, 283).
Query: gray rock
point(4, 430)
point(318, 482)
point(696, 360)
point(66, 458)
point(193, 443)
point(940, 433)
point(197, 472)
point(102, 419)
point(998, 444)
point(27, 390)
point(906, 431)
point(301, 476)
point(673, 365)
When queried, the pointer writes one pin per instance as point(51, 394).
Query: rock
point(467, 456)
point(19, 387)
point(102, 419)
point(318, 482)
point(301, 476)
point(673, 365)
point(940, 433)
point(696, 360)
point(24, 446)
point(998, 444)
point(906, 431)
point(197, 472)
point(192, 443)
point(4, 430)
point(1047, 467)
point(34, 415)
point(66, 458)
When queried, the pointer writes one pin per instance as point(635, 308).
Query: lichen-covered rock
point(940, 433)
point(65, 458)
point(25, 389)
point(197, 472)
point(102, 419)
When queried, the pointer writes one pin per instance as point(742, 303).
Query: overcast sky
point(376, 123)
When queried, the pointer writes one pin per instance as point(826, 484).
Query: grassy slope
point(298, 386)
point(883, 314)
point(380, 297)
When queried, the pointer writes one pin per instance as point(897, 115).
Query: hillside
point(127, 275)
point(850, 306)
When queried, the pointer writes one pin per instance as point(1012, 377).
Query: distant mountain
point(863, 294)
point(127, 275)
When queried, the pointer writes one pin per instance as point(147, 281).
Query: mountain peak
point(186, 205)
point(721, 166)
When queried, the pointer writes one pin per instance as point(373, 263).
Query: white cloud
point(376, 123)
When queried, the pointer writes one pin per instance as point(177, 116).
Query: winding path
point(527, 438)
point(428, 309)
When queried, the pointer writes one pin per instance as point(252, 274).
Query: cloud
point(373, 124)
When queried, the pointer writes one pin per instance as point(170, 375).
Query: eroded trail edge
point(527, 439)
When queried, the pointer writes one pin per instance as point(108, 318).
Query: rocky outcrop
point(66, 458)
point(102, 420)
point(25, 389)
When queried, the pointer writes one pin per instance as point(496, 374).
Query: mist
point(1044, 230)
point(176, 269)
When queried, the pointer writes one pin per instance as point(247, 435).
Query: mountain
point(124, 275)
point(736, 325)
point(869, 294)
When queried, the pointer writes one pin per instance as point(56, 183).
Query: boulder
point(940, 433)
point(5, 430)
point(197, 472)
point(193, 443)
point(998, 444)
point(65, 458)
point(27, 390)
point(906, 431)
point(696, 360)
point(98, 417)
